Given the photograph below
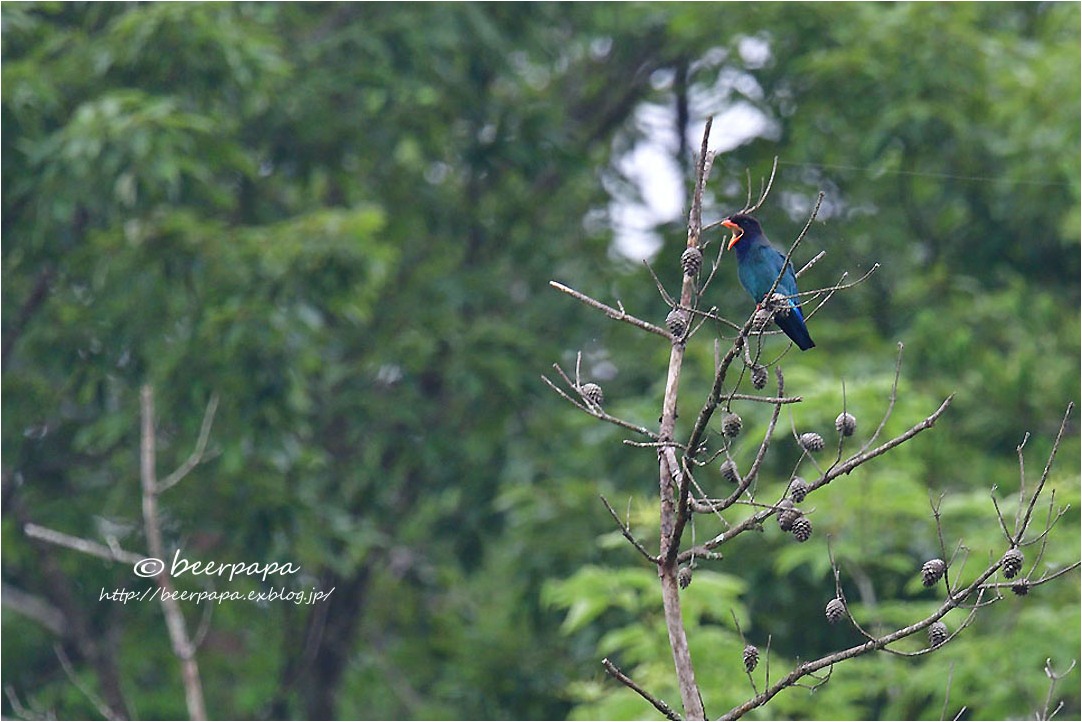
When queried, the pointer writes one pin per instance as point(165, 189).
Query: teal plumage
point(758, 264)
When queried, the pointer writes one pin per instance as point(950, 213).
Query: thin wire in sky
point(984, 179)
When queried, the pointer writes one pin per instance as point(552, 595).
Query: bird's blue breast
point(757, 267)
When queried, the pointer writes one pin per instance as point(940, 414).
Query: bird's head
point(741, 224)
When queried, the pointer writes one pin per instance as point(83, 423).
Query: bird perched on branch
point(758, 264)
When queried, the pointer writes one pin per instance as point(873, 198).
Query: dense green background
point(342, 220)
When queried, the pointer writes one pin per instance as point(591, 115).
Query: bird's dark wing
point(757, 274)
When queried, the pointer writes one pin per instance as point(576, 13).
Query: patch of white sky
point(652, 166)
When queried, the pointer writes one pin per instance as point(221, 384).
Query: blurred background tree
point(342, 220)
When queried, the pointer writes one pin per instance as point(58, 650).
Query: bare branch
point(672, 483)
point(937, 515)
point(658, 704)
point(766, 399)
point(764, 191)
point(1021, 482)
point(1020, 532)
point(999, 515)
point(716, 263)
point(103, 709)
point(839, 286)
point(858, 459)
point(669, 301)
point(626, 531)
point(713, 316)
point(1047, 577)
point(807, 266)
point(31, 606)
point(807, 668)
point(853, 462)
point(613, 313)
point(598, 412)
point(18, 707)
point(650, 444)
point(79, 544)
point(753, 471)
point(706, 161)
point(890, 404)
point(1053, 678)
point(714, 397)
point(174, 617)
point(200, 447)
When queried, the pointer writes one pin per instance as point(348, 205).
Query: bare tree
point(183, 644)
point(683, 466)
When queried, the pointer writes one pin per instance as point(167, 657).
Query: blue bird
point(758, 264)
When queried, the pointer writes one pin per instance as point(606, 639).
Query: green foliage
point(326, 217)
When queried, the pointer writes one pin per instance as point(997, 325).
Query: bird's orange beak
point(737, 232)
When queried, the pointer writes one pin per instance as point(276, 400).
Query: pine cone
point(802, 529)
point(812, 441)
point(677, 321)
point(761, 320)
point(779, 304)
point(787, 514)
point(1012, 562)
point(751, 657)
point(798, 489)
point(691, 260)
point(835, 610)
point(1021, 587)
point(731, 425)
point(592, 393)
point(937, 634)
point(728, 470)
point(932, 571)
point(758, 376)
point(684, 577)
point(846, 424)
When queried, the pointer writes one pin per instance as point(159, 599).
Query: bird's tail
point(793, 325)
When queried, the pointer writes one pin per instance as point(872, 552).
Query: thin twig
point(938, 517)
point(753, 471)
point(831, 290)
point(716, 263)
point(200, 447)
point(18, 707)
point(999, 515)
point(1020, 532)
point(807, 266)
point(890, 404)
point(613, 313)
point(839, 286)
point(658, 704)
point(99, 704)
point(713, 316)
point(1047, 577)
point(1021, 482)
point(669, 301)
point(79, 544)
point(764, 191)
point(599, 413)
point(626, 531)
point(766, 399)
point(1054, 677)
